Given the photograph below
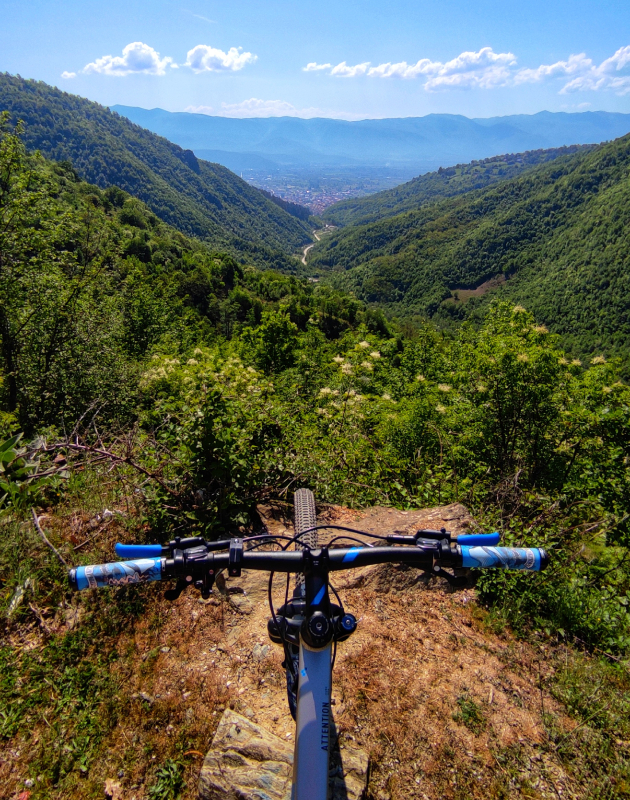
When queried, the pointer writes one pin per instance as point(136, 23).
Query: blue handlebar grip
point(138, 550)
point(485, 539)
point(117, 573)
point(532, 559)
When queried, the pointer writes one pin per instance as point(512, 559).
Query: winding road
point(308, 247)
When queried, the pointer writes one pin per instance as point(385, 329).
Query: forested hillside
point(197, 197)
point(555, 240)
point(446, 182)
point(148, 378)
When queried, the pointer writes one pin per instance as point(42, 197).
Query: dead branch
point(45, 539)
point(106, 454)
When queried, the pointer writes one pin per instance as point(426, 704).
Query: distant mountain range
point(202, 199)
point(418, 143)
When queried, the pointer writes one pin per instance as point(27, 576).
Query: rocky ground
point(444, 706)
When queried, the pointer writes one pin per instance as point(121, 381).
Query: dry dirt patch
point(431, 694)
point(444, 707)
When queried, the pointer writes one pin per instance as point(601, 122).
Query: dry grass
point(446, 706)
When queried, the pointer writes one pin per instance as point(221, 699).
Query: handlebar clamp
point(235, 558)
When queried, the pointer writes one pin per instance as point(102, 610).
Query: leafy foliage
point(23, 478)
point(169, 781)
point(239, 384)
point(553, 240)
point(223, 386)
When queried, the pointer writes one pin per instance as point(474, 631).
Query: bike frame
point(313, 708)
point(310, 622)
point(313, 724)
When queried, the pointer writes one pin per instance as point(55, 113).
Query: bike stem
point(318, 628)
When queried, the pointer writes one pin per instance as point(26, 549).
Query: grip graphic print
point(517, 558)
point(117, 573)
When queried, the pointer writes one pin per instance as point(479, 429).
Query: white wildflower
point(192, 361)
point(444, 387)
point(386, 397)
point(364, 344)
point(325, 390)
point(375, 354)
point(598, 360)
point(522, 357)
point(367, 365)
point(420, 378)
point(576, 362)
point(339, 359)
point(346, 369)
point(440, 408)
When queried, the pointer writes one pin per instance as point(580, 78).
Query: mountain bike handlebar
point(200, 562)
point(152, 550)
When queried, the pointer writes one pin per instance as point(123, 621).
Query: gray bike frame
point(313, 725)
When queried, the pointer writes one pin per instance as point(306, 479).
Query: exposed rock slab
point(246, 762)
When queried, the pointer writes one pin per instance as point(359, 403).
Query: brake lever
point(456, 581)
point(173, 594)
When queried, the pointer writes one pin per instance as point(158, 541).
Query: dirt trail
point(434, 697)
point(308, 247)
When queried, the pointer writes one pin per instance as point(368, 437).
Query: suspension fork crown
point(317, 629)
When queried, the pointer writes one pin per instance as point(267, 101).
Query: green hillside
point(199, 198)
point(92, 284)
point(152, 387)
point(446, 182)
point(555, 240)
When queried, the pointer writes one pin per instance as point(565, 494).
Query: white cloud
point(575, 64)
point(269, 108)
point(612, 74)
point(137, 57)
point(204, 58)
point(313, 66)
point(258, 108)
point(344, 71)
point(199, 109)
point(205, 19)
point(67, 75)
point(485, 69)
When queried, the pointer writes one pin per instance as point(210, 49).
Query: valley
point(181, 351)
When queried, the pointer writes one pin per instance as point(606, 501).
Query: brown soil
point(444, 707)
point(462, 295)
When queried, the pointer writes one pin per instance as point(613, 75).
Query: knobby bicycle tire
point(305, 518)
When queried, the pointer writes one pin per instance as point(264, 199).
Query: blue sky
point(346, 59)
